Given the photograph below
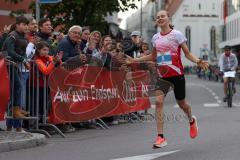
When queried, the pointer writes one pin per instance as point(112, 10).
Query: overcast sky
point(124, 15)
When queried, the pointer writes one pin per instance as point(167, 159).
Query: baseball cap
point(135, 33)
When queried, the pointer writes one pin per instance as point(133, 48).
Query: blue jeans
point(24, 78)
point(15, 91)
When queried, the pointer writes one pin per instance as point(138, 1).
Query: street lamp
point(38, 2)
point(141, 19)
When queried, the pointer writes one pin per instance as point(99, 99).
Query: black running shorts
point(178, 83)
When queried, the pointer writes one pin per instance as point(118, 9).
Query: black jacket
point(69, 48)
point(15, 45)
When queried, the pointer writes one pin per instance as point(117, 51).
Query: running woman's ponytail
point(171, 26)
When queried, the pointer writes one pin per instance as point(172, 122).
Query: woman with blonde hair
point(93, 45)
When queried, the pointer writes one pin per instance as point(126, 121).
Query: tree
point(83, 12)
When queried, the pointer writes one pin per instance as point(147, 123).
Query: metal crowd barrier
point(32, 104)
point(34, 92)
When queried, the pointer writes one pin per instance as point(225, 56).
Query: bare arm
point(188, 54)
point(192, 57)
point(236, 63)
point(221, 63)
point(150, 57)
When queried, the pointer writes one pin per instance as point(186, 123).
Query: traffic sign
point(49, 1)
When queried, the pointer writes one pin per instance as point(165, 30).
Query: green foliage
point(83, 12)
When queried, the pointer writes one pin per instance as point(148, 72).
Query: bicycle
point(230, 86)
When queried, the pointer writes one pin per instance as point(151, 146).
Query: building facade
point(6, 8)
point(230, 25)
point(198, 20)
point(147, 27)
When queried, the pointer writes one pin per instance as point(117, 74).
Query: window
point(199, 6)
point(224, 37)
point(213, 6)
point(213, 40)
point(238, 26)
point(188, 36)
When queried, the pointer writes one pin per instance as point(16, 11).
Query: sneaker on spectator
point(123, 121)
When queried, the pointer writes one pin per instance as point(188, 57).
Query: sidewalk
point(10, 141)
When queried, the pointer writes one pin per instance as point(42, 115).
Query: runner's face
point(162, 19)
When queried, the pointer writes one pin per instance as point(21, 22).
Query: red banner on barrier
point(4, 88)
point(87, 93)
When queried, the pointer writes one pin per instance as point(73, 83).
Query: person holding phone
point(69, 45)
point(45, 64)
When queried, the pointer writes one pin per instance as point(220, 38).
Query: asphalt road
point(219, 130)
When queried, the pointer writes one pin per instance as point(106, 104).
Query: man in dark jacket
point(15, 47)
point(45, 32)
point(70, 44)
point(131, 45)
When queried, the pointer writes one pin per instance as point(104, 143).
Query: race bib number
point(164, 58)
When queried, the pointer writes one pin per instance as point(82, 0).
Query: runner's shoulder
point(177, 32)
point(155, 36)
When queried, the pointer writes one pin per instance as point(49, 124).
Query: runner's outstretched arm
point(149, 57)
point(193, 58)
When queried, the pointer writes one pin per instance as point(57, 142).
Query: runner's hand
point(129, 60)
point(203, 64)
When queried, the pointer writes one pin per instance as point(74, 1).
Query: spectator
point(93, 44)
point(45, 64)
point(131, 45)
point(15, 46)
point(57, 37)
point(85, 37)
point(45, 32)
point(32, 28)
point(144, 49)
point(69, 43)
point(4, 34)
point(30, 51)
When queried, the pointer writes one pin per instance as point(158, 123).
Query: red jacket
point(45, 66)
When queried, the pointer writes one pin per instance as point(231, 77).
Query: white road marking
point(148, 156)
point(216, 97)
point(219, 101)
point(211, 105)
point(236, 105)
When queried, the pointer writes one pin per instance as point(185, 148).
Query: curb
point(16, 141)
